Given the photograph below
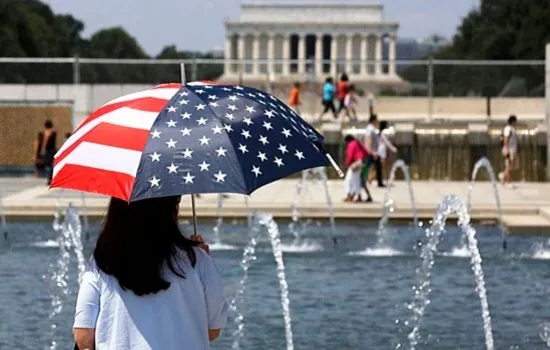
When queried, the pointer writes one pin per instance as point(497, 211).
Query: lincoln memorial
point(285, 42)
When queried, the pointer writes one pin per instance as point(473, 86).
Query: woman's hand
point(204, 246)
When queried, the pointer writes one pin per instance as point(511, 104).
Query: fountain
point(387, 209)
point(60, 196)
point(301, 187)
point(69, 238)
point(218, 244)
point(449, 205)
point(263, 220)
point(3, 223)
point(486, 164)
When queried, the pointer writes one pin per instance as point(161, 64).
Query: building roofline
point(306, 5)
point(344, 23)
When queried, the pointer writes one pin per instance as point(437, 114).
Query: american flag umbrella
point(178, 139)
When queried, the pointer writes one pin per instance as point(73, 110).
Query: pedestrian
point(350, 101)
point(509, 141)
point(341, 91)
point(294, 98)
point(372, 141)
point(384, 146)
point(355, 155)
point(328, 99)
point(44, 151)
point(147, 286)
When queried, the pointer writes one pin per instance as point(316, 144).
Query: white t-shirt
point(174, 319)
point(372, 132)
point(510, 132)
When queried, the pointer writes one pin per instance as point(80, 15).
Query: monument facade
point(285, 42)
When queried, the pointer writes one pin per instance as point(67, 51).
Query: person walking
point(384, 147)
point(341, 90)
point(328, 99)
point(147, 286)
point(294, 98)
point(44, 151)
point(350, 101)
point(371, 143)
point(509, 150)
point(355, 155)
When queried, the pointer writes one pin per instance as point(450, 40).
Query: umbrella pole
point(334, 165)
point(194, 214)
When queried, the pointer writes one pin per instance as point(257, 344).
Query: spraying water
point(219, 220)
point(249, 255)
point(484, 163)
point(449, 205)
point(84, 209)
point(3, 223)
point(68, 239)
point(387, 209)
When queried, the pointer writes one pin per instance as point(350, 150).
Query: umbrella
point(178, 139)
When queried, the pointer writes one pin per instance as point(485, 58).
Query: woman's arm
point(87, 310)
point(388, 143)
point(84, 338)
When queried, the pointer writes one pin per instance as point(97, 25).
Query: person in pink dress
point(355, 154)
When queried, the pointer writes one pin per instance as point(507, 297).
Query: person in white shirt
point(384, 146)
point(509, 150)
point(148, 287)
point(372, 141)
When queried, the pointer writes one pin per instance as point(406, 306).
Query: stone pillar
point(333, 55)
point(286, 54)
point(256, 54)
point(228, 65)
point(270, 54)
point(240, 53)
point(378, 56)
point(364, 56)
point(392, 55)
point(301, 53)
point(349, 54)
point(319, 54)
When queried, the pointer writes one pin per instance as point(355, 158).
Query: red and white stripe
point(103, 154)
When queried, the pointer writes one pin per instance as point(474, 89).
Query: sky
point(198, 24)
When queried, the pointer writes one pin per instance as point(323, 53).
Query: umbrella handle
point(334, 165)
point(194, 214)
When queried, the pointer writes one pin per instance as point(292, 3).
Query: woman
point(350, 101)
point(355, 153)
point(294, 98)
point(383, 146)
point(44, 150)
point(147, 286)
point(342, 90)
point(328, 99)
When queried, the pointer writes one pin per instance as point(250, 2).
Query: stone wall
point(19, 126)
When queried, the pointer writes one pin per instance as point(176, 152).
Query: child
point(294, 99)
point(350, 101)
point(355, 154)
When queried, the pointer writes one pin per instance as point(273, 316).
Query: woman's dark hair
point(138, 239)
point(296, 84)
point(48, 124)
point(349, 138)
point(512, 119)
point(383, 125)
point(329, 80)
point(351, 87)
point(344, 77)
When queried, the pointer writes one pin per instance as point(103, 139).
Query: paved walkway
point(525, 209)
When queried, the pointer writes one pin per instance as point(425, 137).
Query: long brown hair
point(136, 241)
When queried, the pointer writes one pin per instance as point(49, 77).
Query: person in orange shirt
point(294, 99)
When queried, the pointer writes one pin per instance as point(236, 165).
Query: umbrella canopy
point(184, 139)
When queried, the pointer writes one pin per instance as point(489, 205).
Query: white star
point(185, 132)
point(233, 98)
point(214, 104)
point(204, 140)
point(212, 97)
point(272, 97)
point(200, 107)
point(267, 126)
point(155, 157)
point(221, 152)
point(230, 116)
point(262, 156)
point(199, 91)
point(227, 127)
point(187, 154)
point(250, 109)
point(279, 162)
point(270, 114)
point(188, 178)
point(262, 102)
point(217, 129)
point(202, 121)
point(272, 104)
point(251, 94)
point(287, 133)
point(184, 102)
point(261, 95)
point(239, 94)
point(171, 123)
point(154, 182)
point(243, 148)
point(283, 149)
point(172, 168)
point(204, 166)
point(299, 154)
point(156, 134)
point(248, 121)
point(246, 134)
point(220, 177)
point(186, 115)
point(171, 143)
point(172, 109)
point(183, 93)
point(263, 140)
point(208, 87)
point(239, 88)
point(256, 171)
point(282, 107)
point(232, 107)
point(226, 89)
